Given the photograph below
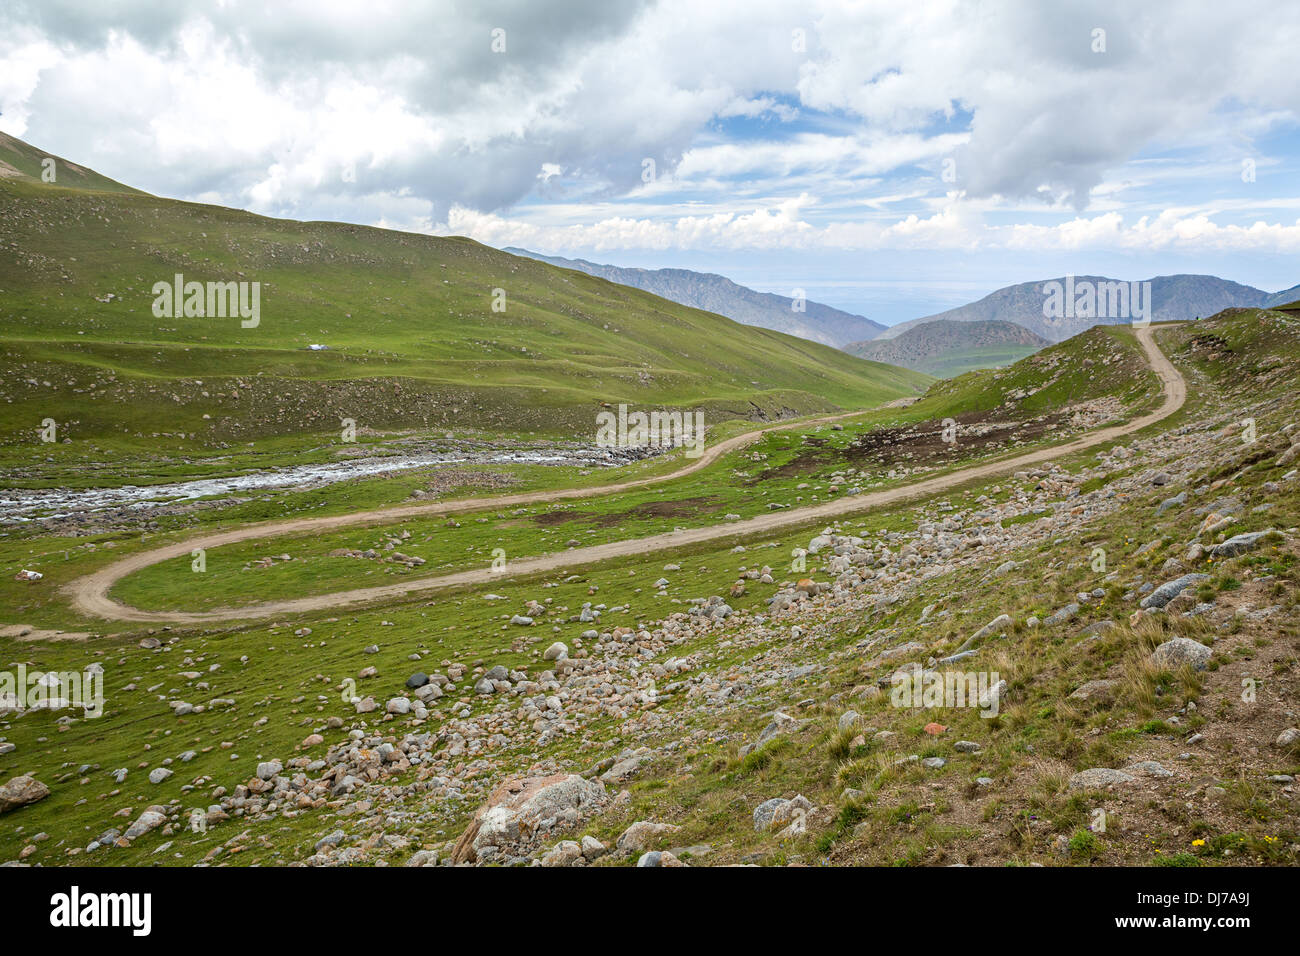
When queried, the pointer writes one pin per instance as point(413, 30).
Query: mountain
point(421, 331)
point(1171, 297)
point(1285, 297)
point(946, 348)
point(715, 293)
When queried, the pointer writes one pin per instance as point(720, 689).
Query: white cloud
point(783, 226)
point(402, 114)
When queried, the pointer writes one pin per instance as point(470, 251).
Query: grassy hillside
point(24, 162)
point(413, 339)
point(1244, 350)
point(1103, 362)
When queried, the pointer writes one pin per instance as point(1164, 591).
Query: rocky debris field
point(519, 761)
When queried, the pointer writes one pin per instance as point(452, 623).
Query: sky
point(890, 158)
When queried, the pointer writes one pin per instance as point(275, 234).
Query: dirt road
point(89, 595)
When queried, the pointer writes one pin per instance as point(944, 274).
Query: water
point(28, 505)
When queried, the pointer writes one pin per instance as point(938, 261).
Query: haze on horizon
point(892, 158)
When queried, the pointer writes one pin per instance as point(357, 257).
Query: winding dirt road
point(89, 594)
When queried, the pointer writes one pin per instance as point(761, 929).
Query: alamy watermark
point(23, 690)
point(212, 300)
point(935, 690)
point(657, 429)
point(1085, 299)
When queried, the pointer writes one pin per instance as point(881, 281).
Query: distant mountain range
point(946, 347)
point(715, 293)
point(1171, 298)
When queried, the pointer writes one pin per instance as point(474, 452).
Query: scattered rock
point(1241, 543)
point(638, 837)
point(1098, 690)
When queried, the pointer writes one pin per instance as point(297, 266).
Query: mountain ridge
point(716, 293)
point(1172, 298)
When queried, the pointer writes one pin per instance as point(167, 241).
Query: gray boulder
point(1178, 651)
point(1171, 589)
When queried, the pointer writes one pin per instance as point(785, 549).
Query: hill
point(945, 348)
point(24, 162)
point(1172, 298)
point(419, 332)
point(715, 293)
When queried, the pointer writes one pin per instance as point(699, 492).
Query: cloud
point(398, 112)
point(784, 226)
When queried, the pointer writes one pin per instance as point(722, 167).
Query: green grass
point(795, 468)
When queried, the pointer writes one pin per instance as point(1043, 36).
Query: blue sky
point(891, 158)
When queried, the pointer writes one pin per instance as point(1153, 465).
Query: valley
point(392, 602)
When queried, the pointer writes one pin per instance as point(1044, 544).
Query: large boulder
point(21, 791)
point(1170, 590)
point(1179, 651)
point(998, 623)
point(781, 723)
point(777, 812)
point(150, 819)
point(523, 811)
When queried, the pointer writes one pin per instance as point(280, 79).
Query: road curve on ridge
point(89, 594)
